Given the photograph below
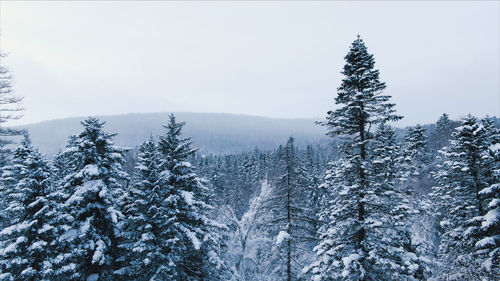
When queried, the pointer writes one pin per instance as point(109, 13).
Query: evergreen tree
point(390, 215)
point(463, 175)
point(442, 133)
point(143, 250)
point(488, 232)
point(26, 245)
point(88, 245)
point(11, 175)
point(191, 237)
point(290, 220)
point(417, 181)
point(350, 239)
point(417, 160)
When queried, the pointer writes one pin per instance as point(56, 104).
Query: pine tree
point(417, 181)
point(191, 237)
point(488, 244)
point(464, 175)
point(392, 255)
point(290, 220)
point(442, 133)
point(11, 175)
point(418, 158)
point(93, 184)
point(26, 244)
point(140, 235)
point(347, 249)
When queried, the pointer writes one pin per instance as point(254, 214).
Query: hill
point(211, 132)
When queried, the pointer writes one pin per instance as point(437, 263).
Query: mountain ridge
point(218, 133)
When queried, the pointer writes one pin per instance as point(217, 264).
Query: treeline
point(375, 205)
point(82, 218)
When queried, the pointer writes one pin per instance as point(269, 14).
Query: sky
point(276, 59)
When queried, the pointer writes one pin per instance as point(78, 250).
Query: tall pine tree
point(141, 233)
point(354, 211)
point(26, 246)
point(464, 178)
point(93, 185)
point(191, 237)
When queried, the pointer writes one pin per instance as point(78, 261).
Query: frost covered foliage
point(417, 180)
point(467, 196)
point(417, 158)
point(249, 241)
point(11, 175)
point(25, 244)
point(365, 233)
point(93, 187)
point(291, 219)
point(140, 232)
point(10, 108)
point(169, 235)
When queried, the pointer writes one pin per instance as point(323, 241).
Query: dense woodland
point(375, 204)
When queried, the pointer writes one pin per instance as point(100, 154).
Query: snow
point(93, 277)
point(6, 276)
point(99, 256)
point(444, 223)
point(349, 259)
point(90, 170)
point(16, 228)
point(488, 264)
point(38, 245)
point(488, 241)
point(69, 235)
point(192, 236)
point(21, 239)
point(103, 192)
point(490, 218)
point(82, 190)
point(188, 197)
point(86, 226)
point(11, 248)
point(282, 236)
point(495, 147)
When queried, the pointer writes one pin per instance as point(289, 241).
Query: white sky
point(277, 59)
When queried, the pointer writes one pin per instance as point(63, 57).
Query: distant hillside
point(211, 133)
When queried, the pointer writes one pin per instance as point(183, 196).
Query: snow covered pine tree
point(88, 245)
point(26, 246)
point(354, 213)
point(188, 236)
point(141, 247)
point(468, 199)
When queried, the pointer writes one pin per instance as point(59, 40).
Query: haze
point(276, 59)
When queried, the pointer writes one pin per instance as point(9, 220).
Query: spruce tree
point(442, 132)
point(488, 232)
point(11, 175)
point(141, 244)
point(464, 178)
point(93, 185)
point(349, 240)
point(191, 237)
point(417, 182)
point(391, 213)
point(26, 246)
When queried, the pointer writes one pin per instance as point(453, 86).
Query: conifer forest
point(374, 202)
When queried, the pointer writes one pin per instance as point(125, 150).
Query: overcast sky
point(278, 59)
